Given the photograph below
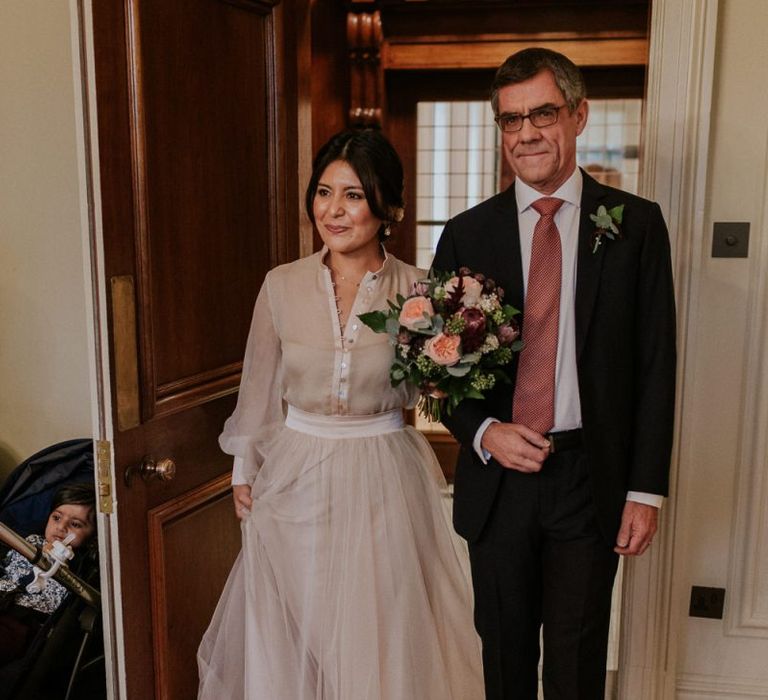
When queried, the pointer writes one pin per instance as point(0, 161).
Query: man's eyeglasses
point(541, 117)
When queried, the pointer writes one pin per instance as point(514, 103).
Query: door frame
point(675, 154)
point(81, 27)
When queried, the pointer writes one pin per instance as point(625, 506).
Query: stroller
point(65, 659)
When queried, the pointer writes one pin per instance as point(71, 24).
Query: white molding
point(83, 60)
point(747, 615)
point(693, 686)
point(674, 161)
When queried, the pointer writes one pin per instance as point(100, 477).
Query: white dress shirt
point(567, 403)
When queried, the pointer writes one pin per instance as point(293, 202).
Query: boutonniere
point(606, 225)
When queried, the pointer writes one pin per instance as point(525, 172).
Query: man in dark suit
point(565, 469)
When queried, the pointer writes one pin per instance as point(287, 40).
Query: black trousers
point(542, 563)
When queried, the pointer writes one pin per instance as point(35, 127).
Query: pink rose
point(508, 333)
point(472, 289)
point(421, 288)
point(412, 313)
point(443, 349)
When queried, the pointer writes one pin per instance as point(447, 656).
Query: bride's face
point(342, 215)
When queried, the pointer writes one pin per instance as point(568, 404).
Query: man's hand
point(638, 526)
point(516, 447)
point(241, 494)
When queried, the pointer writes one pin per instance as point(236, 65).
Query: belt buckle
point(551, 439)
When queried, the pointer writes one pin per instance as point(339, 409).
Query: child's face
point(69, 518)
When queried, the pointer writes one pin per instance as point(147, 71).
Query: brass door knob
point(160, 470)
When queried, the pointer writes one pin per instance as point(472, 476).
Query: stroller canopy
point(26, 495)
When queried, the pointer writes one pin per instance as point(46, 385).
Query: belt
point(565, 440)
point(340, 427)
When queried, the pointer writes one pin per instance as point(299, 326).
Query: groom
point(566, 468)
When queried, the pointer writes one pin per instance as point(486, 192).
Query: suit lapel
point(588, 264)
point(505, 249)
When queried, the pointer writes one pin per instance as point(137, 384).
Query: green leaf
point(375, 320)
point(458, 370)
point(400, 299)
point(509, 311)
point(471, 358)
point(617, 213)
point(392, 326)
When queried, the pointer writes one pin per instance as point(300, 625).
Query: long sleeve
point(259, 413)
point(655, 362)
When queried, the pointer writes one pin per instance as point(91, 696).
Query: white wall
point(44, 375)
point(723, 492)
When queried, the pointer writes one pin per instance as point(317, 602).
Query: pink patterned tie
point(534, 400)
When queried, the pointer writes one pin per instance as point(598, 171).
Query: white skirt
point(351, 584)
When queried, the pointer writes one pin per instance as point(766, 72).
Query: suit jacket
point(625, 347)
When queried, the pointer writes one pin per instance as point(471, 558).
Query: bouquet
point(452, 336)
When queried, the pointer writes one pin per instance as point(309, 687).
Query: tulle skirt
point(351, 584)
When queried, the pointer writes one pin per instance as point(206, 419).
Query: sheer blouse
point(297, 354)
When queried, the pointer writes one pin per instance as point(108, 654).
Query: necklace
point(338, 275)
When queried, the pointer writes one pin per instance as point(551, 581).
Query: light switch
point(730, 239)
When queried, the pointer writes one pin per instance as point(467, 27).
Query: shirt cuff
point(238, 472)
point(649, 499)
point(477, 443)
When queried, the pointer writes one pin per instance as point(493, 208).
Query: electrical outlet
point(707, 602)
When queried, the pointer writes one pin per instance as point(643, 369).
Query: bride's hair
point(374, 161)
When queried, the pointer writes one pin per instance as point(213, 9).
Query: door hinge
point(104, 475)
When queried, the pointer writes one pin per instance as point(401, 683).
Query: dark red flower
point(473, 335)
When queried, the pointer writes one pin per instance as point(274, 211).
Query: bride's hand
point(241, 494)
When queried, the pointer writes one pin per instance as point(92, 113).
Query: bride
point(351, 584)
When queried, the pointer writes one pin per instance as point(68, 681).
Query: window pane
point(608, 147)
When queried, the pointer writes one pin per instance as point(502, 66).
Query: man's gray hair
point(527, 63)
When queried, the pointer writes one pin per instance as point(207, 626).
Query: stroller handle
point(64, 576)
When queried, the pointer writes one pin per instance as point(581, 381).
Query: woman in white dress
point(351, 584)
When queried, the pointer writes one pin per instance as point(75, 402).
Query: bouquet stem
point(430, 408)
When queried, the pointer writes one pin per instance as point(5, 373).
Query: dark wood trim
point(445, 55)
point(263, 7)
point(446, 450)
point(158, 520)
point(197, 389)
point(169, 390)
point(364, 39)
point(276, 186)
point(137, 120)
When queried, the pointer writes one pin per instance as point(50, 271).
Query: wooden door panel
point(174, 559)
point(203, 125)
point(198, 144)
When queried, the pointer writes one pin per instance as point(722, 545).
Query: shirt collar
point(569, 191)
point(323, 254)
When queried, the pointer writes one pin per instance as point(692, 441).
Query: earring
point(387, 230)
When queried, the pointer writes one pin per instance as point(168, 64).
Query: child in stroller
point(23, 612)
point(65, 659)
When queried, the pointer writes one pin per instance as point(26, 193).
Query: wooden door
point(199, 151)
